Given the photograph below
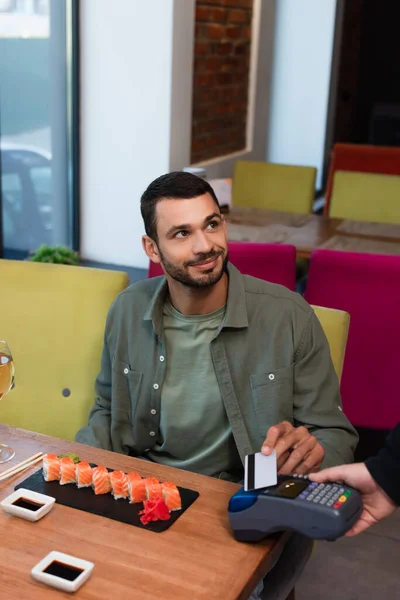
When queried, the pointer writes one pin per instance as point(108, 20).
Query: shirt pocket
point(272, 394)
point(125, 389)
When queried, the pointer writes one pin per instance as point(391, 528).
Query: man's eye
point(213, 224)
point(182, 234)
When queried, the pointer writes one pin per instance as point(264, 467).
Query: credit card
point(260, 471)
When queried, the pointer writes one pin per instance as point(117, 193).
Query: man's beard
point(207, 279)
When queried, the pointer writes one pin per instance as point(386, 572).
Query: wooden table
point(308, 232)
point(197, 558)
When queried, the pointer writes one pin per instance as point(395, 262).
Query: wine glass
point(6, 383)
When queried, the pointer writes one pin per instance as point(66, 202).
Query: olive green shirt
point(194, 432)
point(271, 360)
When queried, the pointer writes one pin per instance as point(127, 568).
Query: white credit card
point(260, 471)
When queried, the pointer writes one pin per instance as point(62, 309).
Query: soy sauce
point(28, 504)
point(59, 569)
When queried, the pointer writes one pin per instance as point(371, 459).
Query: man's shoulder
point(264, 292)
point(144, 287)
point(138, 294)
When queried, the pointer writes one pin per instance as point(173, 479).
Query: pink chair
point(155, 270)
point(368, 287)
point(273, 262)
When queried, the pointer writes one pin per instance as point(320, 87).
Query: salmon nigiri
point(136, 487)
point(101, 480)
point(83, 474)
point(119, 484)
point(153, 488)
point(51, 467)
point(171, 495)
point(67, 470)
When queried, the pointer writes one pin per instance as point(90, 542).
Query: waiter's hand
point(297, 451)
point(377, 504)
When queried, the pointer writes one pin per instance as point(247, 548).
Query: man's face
point(192, 240)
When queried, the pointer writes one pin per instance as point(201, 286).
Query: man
point(206, 365)
point(378, 480)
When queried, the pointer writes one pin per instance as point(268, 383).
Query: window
point(38, 107)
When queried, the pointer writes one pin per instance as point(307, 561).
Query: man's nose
point(201, 243)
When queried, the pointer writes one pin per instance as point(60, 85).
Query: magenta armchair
point(272, 262)
point(368, 287)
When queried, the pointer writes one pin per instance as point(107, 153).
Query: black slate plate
point(104, 505)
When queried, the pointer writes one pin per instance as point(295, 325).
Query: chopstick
point(21, 466)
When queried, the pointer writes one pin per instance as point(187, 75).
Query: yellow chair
point(53, 318)
point(276, 187)
point(366, 197)
point(335, 324)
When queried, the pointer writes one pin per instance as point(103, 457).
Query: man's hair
point(171, 186)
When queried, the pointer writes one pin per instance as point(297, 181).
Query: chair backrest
point(366, 197)
point(335, 324)
point(361, 158)
point(286, 188)
point(367, 286)
point(272, 262)
point(53, 317)
point(154, 270)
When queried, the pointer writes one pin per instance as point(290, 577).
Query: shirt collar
point(236, 311)
point(154, 311)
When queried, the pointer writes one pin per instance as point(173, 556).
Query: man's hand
point(297, 451)
point(377, 504)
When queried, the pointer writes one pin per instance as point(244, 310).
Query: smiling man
point(206, 365)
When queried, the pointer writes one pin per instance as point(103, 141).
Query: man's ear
point(150, 247)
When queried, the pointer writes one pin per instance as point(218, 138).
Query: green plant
point(58, 254)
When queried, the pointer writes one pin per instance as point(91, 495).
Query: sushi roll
point(171, 496)
point(153, 488)
point(83, 473)
point(67, 470)
point(51, 467)
point(136, 487)
point(119, 484)
point(101, 480)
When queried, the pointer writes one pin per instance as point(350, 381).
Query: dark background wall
point(369, 74)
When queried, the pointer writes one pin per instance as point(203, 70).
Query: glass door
point(38, 108)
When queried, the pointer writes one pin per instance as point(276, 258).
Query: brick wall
point(220, 77)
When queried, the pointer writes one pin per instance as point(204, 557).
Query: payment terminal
point(322, 511)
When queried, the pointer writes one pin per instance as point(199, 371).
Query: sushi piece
point(67, 471)
point(51, 467)
point(171, 495)
point(83, 474)
point(101, 480)
point(136, 487)
point(119, 484)
point(153, 488)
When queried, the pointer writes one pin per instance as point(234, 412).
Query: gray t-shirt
point(195, 433)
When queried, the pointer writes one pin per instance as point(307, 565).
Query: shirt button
point(156, 386)
point(271, 376)
point(162, 358)
point(126, 371)
point(153, 411)
point(152, 433)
